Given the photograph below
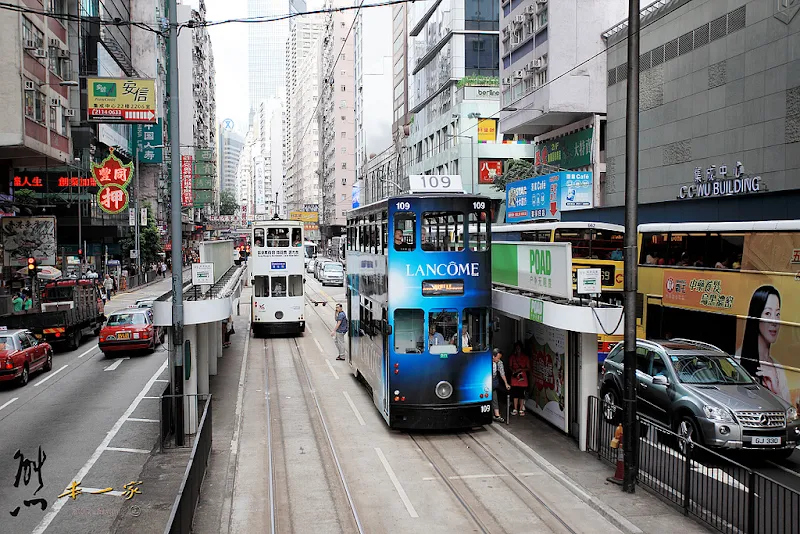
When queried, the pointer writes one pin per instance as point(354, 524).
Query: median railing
point(718, 491)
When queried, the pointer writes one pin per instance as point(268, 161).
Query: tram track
point(305, 477)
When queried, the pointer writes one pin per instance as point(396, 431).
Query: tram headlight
point(279, 315)
point(444, 389)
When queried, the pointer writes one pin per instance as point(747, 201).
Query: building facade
point(719, 113)
point(400, 77)
point(205, 105)
point(228, 152)
point(266, 43)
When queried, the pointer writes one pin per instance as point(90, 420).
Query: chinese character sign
point(149, 139)
point(121, 100)
point(568, 152)
point(488, 170)
point(487, 130)
point(186, 180)
point(112, 171)
point(113, 199)
point(546, 196)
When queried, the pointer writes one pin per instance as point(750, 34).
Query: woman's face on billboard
point(768, 328)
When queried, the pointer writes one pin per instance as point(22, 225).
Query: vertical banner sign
point(261, 193)
point(149, 139)
point(112, 177)
point(131, 216)
point(487, 130)
point(143, 219)
point(186, 180)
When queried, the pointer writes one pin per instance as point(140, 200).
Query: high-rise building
point(400, 14)
point(260, 172)
point(229, 150)
point(266, 44)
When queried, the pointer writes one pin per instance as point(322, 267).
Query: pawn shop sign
point(112, 199)
point(112, 172)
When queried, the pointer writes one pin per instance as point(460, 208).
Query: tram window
point(258, 237)
point(404, 228)
point(579, 238)
point(278, 286)
point(607, 245)
point(478, 231)
point(261, 286)
point(442, 231)
point(475, 330)
point(409, 327)
point(297, 240)
point(278, 237)
point(296, 285)
point(442, 331)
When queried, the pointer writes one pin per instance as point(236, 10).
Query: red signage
point(186, 181)
point(489, 169)
point(112, 198)
point(48, 180)
point(112, 171)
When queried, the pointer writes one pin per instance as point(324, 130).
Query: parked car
point(21, 354)
point(703, 395)
point(332, 274)
point(310, 265)
point(130, 329)
point(144, 303)
point(318, 268)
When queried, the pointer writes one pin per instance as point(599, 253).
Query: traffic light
point(32, 266)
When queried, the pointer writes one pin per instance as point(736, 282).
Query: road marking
point(467, 477)
point(126, 449)
point(353, 406)
point(151, 397)
point(397, 486)
point(333, 371)
point(116, 364)
point(318, 345)
point(59, 504)
point(87, 352)
point(86, 491)
point(779, 466)
point(9, 402)
point(139, 420)
point(308, 327)
point(711, 472)
point(162, 380)
point(49, 376)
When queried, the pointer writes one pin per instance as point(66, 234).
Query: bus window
point(478, 234)
point(442, 331)
point(579, 238)
point(542, 236)
point(297, 240)
point(404, 228)
point(278, 286)
point(475, 329)
point(408, 330)
point(261, 287)
point(258, 237)
point(296, 285)
point(442, 230)
point(654, 246)
point(607, 245)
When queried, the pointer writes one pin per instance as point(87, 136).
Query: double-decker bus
point(277, 271)
point(594, 245)
point(732, 284)
point(419, 298)
point(309, 251)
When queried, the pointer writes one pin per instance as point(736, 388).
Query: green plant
point(227, 203)
point(25, 197)
point(515, 169)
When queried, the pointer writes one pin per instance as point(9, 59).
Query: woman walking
point(498, 377)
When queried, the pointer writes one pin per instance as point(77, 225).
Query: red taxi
point(130, 329)
point(21, 354)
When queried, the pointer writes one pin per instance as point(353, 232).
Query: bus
point(336, 252)
point(732, 284)
point(594, 244)
point(277, 274)
point(420, 302)
point(309, 251)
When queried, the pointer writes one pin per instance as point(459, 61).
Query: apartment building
point(230, 145)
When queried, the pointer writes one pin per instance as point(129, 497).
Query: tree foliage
point(227, 203)
point(516, 169)
point(149, 239)
point(25, 197)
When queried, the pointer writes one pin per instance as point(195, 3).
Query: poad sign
point(112, 177)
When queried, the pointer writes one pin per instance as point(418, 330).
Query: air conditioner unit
point(537, 63)
point(40, 53)
point(518, 74)
point(30, 44)
point(54, 102)
point(530, 9)
point(63, 53)
point(69, 112)
point(519, 19)
point(55, 43)
point(30, 86)
point(541, 2)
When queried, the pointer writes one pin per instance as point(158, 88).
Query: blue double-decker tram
point(419, 299)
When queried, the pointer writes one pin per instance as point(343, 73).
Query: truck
point(69, 310)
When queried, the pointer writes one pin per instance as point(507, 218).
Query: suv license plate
point(766, 441)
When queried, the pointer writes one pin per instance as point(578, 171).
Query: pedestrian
point(498, 377)
point(18, 301)
point(27, 303)
point(520, 366)
point(108, 285)
point(340, 330)
point(163, 270)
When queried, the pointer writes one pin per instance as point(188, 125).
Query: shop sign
point(546, 196)
point(717, 182)
point(589, 281)
point(49, 180)
point(202, 198)
point(111, 171)
point(489, 170)
point(537, 310)
point(568, 152)
point(149, 139)
point(121, 100)
point(112, 198)
point(202, 182)
point(205, 154)
point(481, 93)
point(305, 216)
point(487, 130)
point(547, 391)
point(544, 268)
point(186, 180)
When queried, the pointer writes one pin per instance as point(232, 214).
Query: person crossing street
point(340, 331)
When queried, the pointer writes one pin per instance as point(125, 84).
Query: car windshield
point(703, 369)
point(333, 267)
point(126, 319)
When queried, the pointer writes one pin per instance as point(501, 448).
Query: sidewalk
point(585, 476)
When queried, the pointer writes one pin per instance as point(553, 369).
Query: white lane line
point(139, 420)
point(157, 398)
point(59, 504)
point(88, 351)
point(397, 486)
point(333, 371)
point(353, 406)
point(779, 466)
point(126, 449)
point(468, 477)
point(318, 345)
point(116, 364)
point(308, 327)
point(162, 380)
point(49, 376)
point(9, 402)
point(711, 472)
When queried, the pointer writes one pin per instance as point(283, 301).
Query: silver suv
point(704, 395)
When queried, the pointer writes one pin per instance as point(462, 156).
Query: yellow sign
point(487, 130)
point(124, 100)
point(305, 216)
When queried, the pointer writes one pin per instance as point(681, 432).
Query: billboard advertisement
point(487, 130)
point(547, 393)
point(261, 188)
point(149, 139)
point(186, 180)
point(305, 216)
point(26, 237)
point(546, 196)
point(568, 152)
point(539, 267)
point(123, 100)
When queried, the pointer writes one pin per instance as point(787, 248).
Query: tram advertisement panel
point(763, 297)
point(547, 390)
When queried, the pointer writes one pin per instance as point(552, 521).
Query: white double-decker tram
point(276, 271)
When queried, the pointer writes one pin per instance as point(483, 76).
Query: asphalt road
point(73, 414)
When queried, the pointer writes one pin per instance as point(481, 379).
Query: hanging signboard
point(149, 139)
point(546, 196)
point(544, 268)
point(489, 170)
point(113, 176)
point(112, 199)
point(568, 152)
point(186, 180)
point(121, 100)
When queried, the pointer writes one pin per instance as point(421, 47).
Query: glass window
point(579, 238)
point(278, 286)
point(659, 367)
point(475, 330)
point(261, 286)
point(700, 369)
point(297, 237)
point(482, 55)
point(482, 15)
point(258, 237)
point(25, 343)
point(478, 231)
point(40, 106)
point(442, 231)
point(278, 237)
point(542, 236)
point(30, 104)
point(442, 331)
point(296, 285)
point(409, 328)
point(607, 245)
point(384, 233)
point(643, 360)
point(125, 319)
point(404, 229)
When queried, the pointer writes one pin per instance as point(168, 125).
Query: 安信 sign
point(121, 100)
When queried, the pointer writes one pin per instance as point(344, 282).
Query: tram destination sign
point(436, 288)
point(435, 183)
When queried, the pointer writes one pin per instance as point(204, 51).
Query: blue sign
point(278, 265)
point(356, 194)
point(149, 139)
point(546, 196)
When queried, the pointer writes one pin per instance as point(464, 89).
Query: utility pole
point(138, 230)
point(630, 440)
point(80, 234)
point(176, 358)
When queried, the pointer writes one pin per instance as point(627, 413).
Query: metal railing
point(182, 515)
point(723, 494)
